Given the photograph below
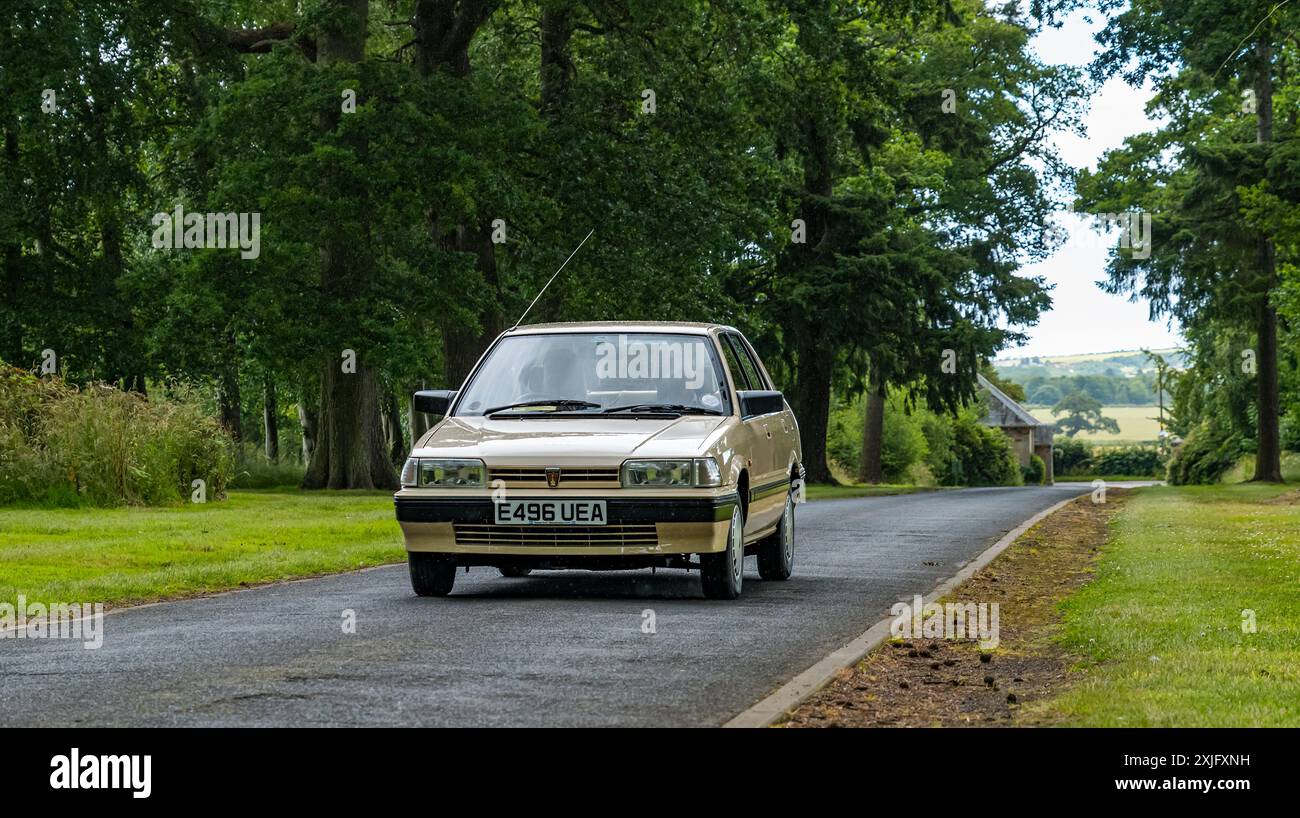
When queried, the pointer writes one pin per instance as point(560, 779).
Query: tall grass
point(253, 470)
point(100, 446)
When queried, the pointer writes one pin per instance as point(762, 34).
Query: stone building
point(1029, 436)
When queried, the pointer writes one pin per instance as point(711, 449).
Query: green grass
point(823, 491)
point(127, 555)
point(1161, 625)
point(1137, 424)
point(1109, 478)
point(121, 556)
point(1245, 469)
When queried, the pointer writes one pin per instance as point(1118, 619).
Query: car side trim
point(767, 490)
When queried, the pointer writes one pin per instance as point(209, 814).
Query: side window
point(733, 364)
point(747, 362)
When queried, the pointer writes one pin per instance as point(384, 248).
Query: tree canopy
point(855, 184)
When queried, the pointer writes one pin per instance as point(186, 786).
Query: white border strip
point(794, 692)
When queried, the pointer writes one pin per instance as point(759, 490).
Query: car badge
point(552, 476)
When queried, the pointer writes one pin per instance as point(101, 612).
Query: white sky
point(1083, 318)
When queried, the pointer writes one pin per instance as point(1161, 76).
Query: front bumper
point(636, 526)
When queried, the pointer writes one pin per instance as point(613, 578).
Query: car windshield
point(596, 372)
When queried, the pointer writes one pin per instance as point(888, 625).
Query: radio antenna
point(557, 272)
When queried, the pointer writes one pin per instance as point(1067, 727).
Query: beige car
point(605, 446)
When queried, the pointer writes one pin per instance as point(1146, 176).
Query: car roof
point(677, 327)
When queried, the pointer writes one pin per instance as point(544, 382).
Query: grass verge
point(1187, 616)
point(124, 556)
point(920, 682)
point(825, 491)
point(1164, 631)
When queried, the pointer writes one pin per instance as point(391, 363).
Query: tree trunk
point(814, 350)
point(271, 421)
point(813, 395)
point(351, 452)
point(556, 69)
point(870, 469)
point(1268, 456)
point(462, 345)
point(11, 326)
point(393, 434)
point(444, 30)
point(309, 419)
point(229, 403)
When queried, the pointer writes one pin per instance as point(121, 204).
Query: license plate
point(551, 512)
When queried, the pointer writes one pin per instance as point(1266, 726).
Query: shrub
point(903, 441)
point(1291, 432)
point(1036, 472)
point(1204, 457)
point(1130, 460)
point(983, 455)
point(921, 447)
point(101, 446)
point(938, 443)
point(1069, 455)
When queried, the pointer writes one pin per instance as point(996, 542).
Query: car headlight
point(695, 472)
point(424, 472)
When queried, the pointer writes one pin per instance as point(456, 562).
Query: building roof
point(1005, 412)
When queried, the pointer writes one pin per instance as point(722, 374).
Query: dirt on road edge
point(938, 682)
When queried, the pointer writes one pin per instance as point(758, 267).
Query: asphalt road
point(552, 649)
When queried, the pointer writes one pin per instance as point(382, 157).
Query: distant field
point(1101, 356)
point(1137, 424)
point(1090, 357)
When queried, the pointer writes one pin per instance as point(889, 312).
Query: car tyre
point(723, 573)
point(776, 553)
point(514, 571)
point(431, 574)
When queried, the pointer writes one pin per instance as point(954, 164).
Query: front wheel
point(723, 573)
point(431, 574)
point(776, 553)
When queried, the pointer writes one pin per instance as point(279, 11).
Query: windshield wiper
point(558, 403)
point(676, 408)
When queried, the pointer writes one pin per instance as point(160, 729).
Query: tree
point(78, 92)
point(916, 214)
point(1009, 388)
point(1082, 414)
point(1214, 65)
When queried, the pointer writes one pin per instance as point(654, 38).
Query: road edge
point(794, 692)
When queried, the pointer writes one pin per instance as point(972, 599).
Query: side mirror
point(754, 402)
point(433, 401)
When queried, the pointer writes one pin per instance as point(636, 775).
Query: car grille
point(565, 536)
point(535, 476)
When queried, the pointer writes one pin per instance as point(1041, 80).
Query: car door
point(790, 452)
point(766, 499)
